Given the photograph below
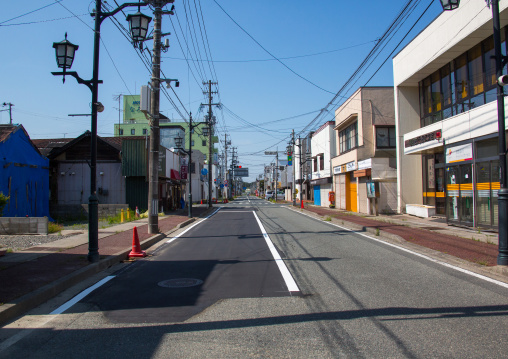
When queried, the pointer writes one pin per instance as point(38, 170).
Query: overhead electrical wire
point(268, 52)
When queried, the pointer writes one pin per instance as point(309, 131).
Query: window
point(321, 162)
point(466, 82)
point(348, 138)
point(133, 131)
point(120, 131)
point(385, 137)
point(314, 161)
point(203, 143)
point(144, 131)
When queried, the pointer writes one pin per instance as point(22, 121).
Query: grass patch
point(482, 262)
point(328, 218)
point(9, 250)
point(54, 227)
point(377, 231)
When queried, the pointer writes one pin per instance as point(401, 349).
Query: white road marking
point(194, 225)
point(288, 278)
point(459, 269)
point(80, 296)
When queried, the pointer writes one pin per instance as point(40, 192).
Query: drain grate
point(180, 283)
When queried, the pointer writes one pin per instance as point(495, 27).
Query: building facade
point(364, 170)
point(322, 149)
point(446, 113)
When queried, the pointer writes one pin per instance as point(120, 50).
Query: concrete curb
point(29, 301)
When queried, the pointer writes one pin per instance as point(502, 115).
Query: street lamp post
point(65, 52)
point(502, 258)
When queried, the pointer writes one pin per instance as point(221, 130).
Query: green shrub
point(3, 202)
point(54, 227)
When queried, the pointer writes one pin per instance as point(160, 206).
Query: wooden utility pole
point(211, 122)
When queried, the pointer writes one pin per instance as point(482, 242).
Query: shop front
point(472, 182)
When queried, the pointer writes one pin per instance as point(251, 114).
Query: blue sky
point(319, 45)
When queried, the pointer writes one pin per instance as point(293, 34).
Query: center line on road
point(286, 274)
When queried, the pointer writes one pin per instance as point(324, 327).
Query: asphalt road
point(217, 291)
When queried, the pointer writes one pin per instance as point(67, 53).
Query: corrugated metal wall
point(137, 193)
point(134, 158)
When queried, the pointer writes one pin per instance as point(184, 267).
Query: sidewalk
point(465, 247)
point(32, 276)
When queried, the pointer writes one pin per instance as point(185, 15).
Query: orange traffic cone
point(136, 247)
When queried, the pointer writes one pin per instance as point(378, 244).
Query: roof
point(51, 146)
point(7, 130)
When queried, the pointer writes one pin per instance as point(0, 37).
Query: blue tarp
point(24, 176)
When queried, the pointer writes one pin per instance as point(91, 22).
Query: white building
point(323, 149)
point(446, 113)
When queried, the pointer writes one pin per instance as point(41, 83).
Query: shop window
point(385, 137)
point(348, 138)
point(470, 84)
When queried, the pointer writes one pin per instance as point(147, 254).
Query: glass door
point(452, 193)
point(466, 206)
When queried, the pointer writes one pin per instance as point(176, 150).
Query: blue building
point(24, 174)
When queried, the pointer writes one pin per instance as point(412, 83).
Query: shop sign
point(350, 166)
point(459, 153)
point(337, 170)
point(365, 164)
point(183, 171)
point(431, 136)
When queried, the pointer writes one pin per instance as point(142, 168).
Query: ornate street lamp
point(178, 142)
point(138, 25)
point(205, 131)
point(450, 4)
point(65, 51)
point(502, 258)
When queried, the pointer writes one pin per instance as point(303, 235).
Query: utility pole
point(10, 110)
point(119, 98)
point(294, 163)
point(153, 167)
point(226, 163)
point(210, 133)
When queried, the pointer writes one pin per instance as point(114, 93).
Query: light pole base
point(502, 258)
point(93, 228)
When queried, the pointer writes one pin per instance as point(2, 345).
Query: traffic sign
point(271, 153)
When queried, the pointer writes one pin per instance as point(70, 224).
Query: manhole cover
point(180, 283)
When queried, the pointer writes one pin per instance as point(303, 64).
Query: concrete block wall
point(23, 225)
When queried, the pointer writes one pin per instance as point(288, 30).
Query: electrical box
point(146, 95)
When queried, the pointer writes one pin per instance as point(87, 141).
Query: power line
point(269, 53)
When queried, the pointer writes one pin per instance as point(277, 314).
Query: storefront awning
point(175, 175)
